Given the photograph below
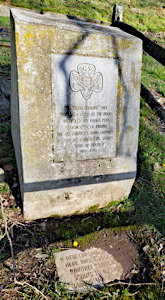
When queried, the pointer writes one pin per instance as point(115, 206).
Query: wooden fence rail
point(5, 44)
point(149, 46)
point(152, 102)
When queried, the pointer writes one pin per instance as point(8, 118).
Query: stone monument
point(81, 270)
point(75, 112)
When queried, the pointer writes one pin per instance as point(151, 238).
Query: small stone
point(43, 225)
point(156, 166)
point(162, 264)
point(41, 255)
point(2, 177)
point(12, 197)
point(133, 271)
point(146, 249)
point(12, 201)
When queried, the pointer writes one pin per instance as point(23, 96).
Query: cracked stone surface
point(92, 268)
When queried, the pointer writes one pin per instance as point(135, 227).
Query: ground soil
point(35, 244)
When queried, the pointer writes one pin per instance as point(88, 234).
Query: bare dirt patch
point(127, 252)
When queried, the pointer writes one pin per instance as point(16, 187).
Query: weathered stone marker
point(75, 111)
point(80, 270)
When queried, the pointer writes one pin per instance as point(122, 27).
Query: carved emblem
point(86, 80)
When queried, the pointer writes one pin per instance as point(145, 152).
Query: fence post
point(117, 13)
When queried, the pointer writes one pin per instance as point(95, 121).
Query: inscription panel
point(93, 267)
point(84, 104)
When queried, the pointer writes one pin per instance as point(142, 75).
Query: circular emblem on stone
point(86, 80)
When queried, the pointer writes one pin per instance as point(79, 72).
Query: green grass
point(144, 15)
point(153, 74)
point(5, 62)
point(5, 22)
point(149, 190)
point(4, 187)
point(4, 57)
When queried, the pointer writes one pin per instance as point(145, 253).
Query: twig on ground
point(31, 286)
point(116, 283)
point(16, 223)
point(85, 219)
point(12, 256)
point(130, 295)
point(1, 238)
point(132, 284)
point(101, 292)
point(153, 171)
point(133, 294)
point(163, 286)
point(146, 296)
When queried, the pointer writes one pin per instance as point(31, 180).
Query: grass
point(144, 15)
point(146, 204)
point(7, 153)
point(4, 57)
point(153, 75)
point(5, 62)
point(5, 22)
point(149, 189)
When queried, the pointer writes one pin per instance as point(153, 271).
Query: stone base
point(75, 112)
point(73, 200)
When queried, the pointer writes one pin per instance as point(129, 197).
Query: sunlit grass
point(153, 74)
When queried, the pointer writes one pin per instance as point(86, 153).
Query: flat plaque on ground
point(84, 104)
point(80, 271)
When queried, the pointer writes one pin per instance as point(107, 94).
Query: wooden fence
point(153, 49)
